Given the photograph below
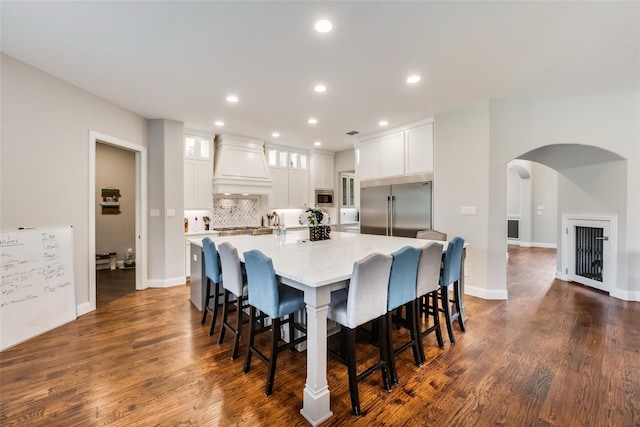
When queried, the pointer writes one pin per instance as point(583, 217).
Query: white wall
point(545, 194)
point(116, 167)
point(166, 193)
point(609, 122)
point(461, 178)
point(44, 178)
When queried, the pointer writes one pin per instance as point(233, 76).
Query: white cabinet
point(198, 173)
point(419, 149)
point(322, 170)
point(398, 153)
point(347, 190)
point(368, 159)
point(392, 154)
point(289, 172)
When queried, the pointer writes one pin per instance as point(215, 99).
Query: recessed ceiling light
point(317, 143)
point(227, 194)
point(218, 123)
point(413, 78)
point(320, 88)
point(312, 121)
point(275, 134)
point(323, 26)
point(232, 98)
point(245, 194)
point(383, 123)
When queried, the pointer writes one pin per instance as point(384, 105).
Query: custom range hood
point(240, 166)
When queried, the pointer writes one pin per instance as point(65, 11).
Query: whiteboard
point(38, 291)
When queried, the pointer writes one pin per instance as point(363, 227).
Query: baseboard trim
point(625, 295)
point(166, 283)
point(532, 244)
point(83, 308)
point(562, 276)
point(493, 294)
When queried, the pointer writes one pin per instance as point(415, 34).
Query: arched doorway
point(591, 186)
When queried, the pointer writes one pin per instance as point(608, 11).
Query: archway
point(591, 184)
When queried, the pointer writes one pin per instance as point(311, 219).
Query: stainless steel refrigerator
point(395, 207)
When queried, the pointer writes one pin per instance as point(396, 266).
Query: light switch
point(468, 210)
point(171, 212)
point(195, 258)
point(155, 212)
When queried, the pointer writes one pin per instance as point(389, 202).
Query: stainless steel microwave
point(324, 198)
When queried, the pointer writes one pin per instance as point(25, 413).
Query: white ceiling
point(179, 60)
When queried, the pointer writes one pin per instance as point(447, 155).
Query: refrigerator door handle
point(386, 217)
point(391, 206)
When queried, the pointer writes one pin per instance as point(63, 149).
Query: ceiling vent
point(353, 132)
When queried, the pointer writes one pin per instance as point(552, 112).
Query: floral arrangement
point(312, 217)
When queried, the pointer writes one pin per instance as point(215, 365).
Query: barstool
point(213, 276)
point(276, 301)
point(234, 284)
point(402, 292)
point(450, 276)
point(427, 287)
point(363, 301)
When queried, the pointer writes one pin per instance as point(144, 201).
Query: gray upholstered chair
point(276, 301)
point(431, 234)
point(363, 301)
point(234, 284)
point(427, 287)
point(402, 293)
point(213, 278)
point(450, 277)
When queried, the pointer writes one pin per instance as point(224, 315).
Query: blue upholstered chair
point(234, 284)
point(276, 301)
point(402, 293)
point(213, 278)
point(427, 288)
point(363, 301)
point(450, 277)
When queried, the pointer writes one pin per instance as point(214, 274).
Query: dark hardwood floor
point(114, 284)
point(554, 354)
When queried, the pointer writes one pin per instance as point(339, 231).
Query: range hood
point(240, 166)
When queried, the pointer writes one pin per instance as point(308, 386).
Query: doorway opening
point(580, 194)
point(106, 200)
point(115, 222)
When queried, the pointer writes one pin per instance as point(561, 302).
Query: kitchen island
point(316, 268)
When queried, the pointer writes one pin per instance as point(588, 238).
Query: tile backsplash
point(230, 211)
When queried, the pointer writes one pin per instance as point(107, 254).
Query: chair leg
point(385, 354)
point(390, 357)
point(275, 338)
point(416, 339)
point(351, 368)
point(446, 306)
point(236, 338)
point(458, 306)
point(214, 310)
point(436, 317)
point(207, 296)
point(252, 335)
point(225, 315)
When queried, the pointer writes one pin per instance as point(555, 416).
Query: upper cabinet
point(198, 172)
point(397, 153)
point(322, 170)
point(289, 171)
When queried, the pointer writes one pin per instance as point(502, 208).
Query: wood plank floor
point(554, 354)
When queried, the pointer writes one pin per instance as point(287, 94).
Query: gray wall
point(44, 178)
point(116, 167)
point(544, 193)
point(609, 122)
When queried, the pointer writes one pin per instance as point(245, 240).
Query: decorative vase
point(319, 232)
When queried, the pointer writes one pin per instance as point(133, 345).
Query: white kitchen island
point(316, 268)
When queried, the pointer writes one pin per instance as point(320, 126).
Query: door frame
point(610, 251)
point(140, 203)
